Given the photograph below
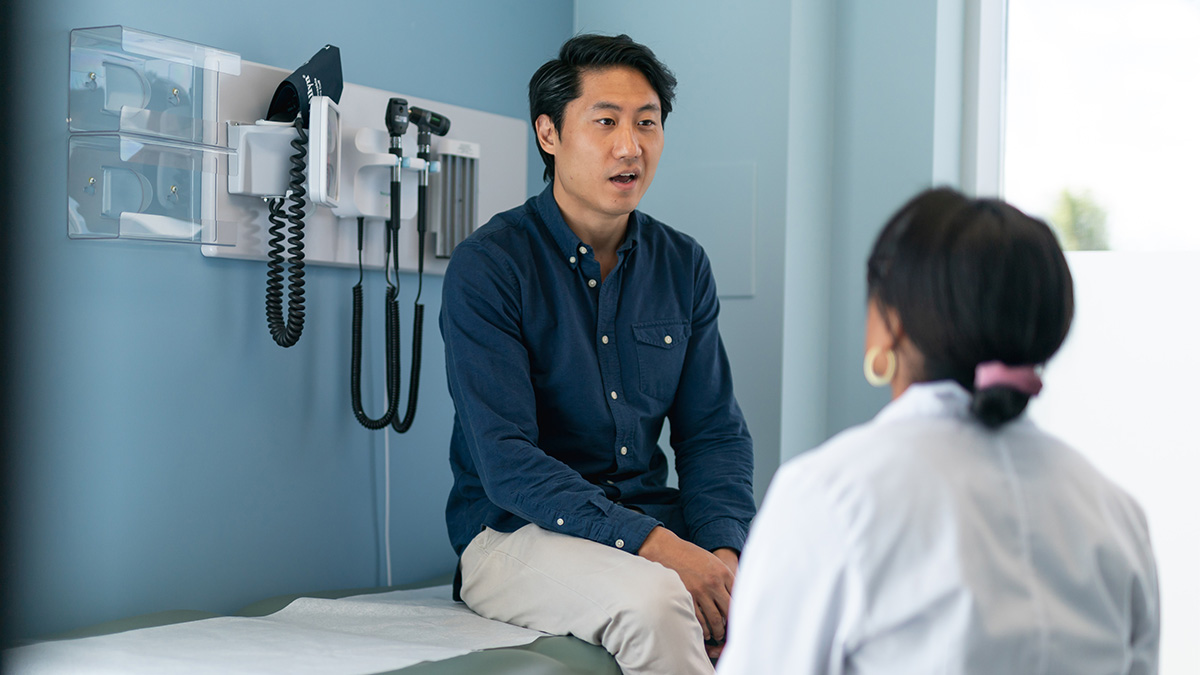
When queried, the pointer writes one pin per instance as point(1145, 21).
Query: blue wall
point(169, 455)
point(166, 453)
point(722, 177)
point(838, 105)
point(811, 122)
point(886, 66)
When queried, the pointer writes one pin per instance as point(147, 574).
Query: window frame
point(985, 42)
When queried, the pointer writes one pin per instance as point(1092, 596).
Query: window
point(1101, 138)
point(1103, 120)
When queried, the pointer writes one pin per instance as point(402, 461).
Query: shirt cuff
point(626, 529)
point(721, 533)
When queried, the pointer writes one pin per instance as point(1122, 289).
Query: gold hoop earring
point(869, 367)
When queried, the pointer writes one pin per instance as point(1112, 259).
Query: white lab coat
point(924, 543)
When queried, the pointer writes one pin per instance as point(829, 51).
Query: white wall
point(1124, 392)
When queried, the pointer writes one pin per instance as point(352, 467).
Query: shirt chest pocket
point(661, 347)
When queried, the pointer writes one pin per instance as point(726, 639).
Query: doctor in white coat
point(950, 534)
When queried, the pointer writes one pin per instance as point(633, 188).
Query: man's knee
point(654, 599)
point(656, 630)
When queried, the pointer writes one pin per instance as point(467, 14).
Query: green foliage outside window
point(1080, 222)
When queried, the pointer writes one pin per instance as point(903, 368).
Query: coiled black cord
point(392, 337)
point(392, 330)
point(414, 372)
point(287, 333)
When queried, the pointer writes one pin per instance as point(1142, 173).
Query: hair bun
point(998, 405)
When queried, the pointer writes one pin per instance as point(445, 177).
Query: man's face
point(608, 149)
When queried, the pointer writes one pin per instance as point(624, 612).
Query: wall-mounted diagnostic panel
point(495, 145)
point(175, 141)
point(169, 141)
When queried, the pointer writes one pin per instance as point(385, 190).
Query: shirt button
point(624, 450)
point(604, 339)
point(614, 395)
point(610, 482)
point(583, 250)
point(572, 259)
point(620, 543)
point(667, 339)
point(591, 283)
point(560, 521)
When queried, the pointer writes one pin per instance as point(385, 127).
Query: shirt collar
point(565, 238)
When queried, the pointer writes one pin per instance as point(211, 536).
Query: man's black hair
point(973, 281)
point(557, 82)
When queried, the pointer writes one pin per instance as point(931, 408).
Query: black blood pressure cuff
point(319, 76)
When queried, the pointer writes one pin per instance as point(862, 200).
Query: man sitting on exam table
point(950, 534)
point(574, 325)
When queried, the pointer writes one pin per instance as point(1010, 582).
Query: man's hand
point(729, 557)
point(707, 576)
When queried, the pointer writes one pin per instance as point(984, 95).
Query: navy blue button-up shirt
point(561, 383)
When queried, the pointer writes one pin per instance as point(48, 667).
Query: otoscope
point(396, 121)
point(428, 122)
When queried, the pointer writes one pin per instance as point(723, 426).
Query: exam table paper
point(361, 634)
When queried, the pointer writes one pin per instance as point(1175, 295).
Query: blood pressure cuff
point(319, 76)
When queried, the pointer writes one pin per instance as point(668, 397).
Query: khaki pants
point(636, 609)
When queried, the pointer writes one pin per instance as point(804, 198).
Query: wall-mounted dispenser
point(145, 158)
point(456, 201)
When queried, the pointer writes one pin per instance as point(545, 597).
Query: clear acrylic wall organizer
point(136, 82)
point(145, 155)
point(140, 187)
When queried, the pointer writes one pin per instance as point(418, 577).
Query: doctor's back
point(944, 536)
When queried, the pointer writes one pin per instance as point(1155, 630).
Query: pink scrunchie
point(1022, 378)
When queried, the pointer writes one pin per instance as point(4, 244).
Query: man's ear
point(547, 135)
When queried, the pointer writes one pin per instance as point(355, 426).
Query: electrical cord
point(287, 332)
point(414, 369)
point(387, 506)
point(422, 220)
point(392, 336)
point(392, 333)
point(414, 373)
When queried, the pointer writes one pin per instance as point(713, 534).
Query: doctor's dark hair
point(973, 281)
point(557, 82)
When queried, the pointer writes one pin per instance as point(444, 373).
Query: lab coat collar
point(943, 398)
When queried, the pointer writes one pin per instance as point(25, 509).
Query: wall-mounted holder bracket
point(261, 155)
point(331, 232)
point(418, 164)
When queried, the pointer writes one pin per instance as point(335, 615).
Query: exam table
point(546, 655)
